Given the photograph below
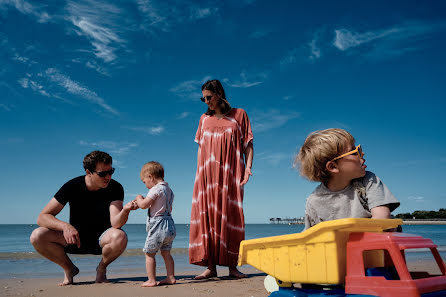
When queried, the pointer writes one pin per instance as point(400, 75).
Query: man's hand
point(71, 235)
point(248, 173)
point(132, 205)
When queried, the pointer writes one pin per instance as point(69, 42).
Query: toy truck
point(346, 257)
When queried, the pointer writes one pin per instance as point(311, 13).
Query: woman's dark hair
point(95, 157)
point(216, 87)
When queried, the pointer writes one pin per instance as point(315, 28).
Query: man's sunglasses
point(105, 173)
point(357, 150)
point(208, 98)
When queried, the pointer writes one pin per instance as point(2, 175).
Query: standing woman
point(224, 163)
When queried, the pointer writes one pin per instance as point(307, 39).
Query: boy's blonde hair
point(319, 148)
point(153, 168)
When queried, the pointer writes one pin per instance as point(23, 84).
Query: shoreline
point(423, 222)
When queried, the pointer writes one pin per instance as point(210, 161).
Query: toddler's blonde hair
point(153, 168)
point(319, 148)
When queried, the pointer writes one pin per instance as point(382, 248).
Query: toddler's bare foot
point(233, 272)
point(206, 274)
point(149, 283)
point(101, 274)
point(68, 279)
point(170, 280)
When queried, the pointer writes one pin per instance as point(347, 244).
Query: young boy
point(347, 190)
point(160, 225)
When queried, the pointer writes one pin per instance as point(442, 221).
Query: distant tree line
point(423, 214)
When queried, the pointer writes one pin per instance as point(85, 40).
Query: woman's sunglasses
point(357, 150)
point(206, 98)
point(105, 173)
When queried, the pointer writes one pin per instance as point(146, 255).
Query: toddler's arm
point(142, 202)
point(380, 212)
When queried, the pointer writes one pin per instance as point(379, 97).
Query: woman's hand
point(248, 173)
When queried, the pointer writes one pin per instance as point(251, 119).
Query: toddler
point(347, 190)
point(160, 225)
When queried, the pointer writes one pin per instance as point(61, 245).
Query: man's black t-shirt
point(89, 210)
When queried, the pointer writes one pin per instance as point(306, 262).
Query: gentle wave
point(127, 253)
point(139, 252)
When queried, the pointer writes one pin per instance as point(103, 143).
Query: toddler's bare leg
point(151, 271)
point(170, 269)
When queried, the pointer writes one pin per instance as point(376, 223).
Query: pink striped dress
point(217, 223)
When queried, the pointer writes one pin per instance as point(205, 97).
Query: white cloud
point(95, 66)
point(27, 9)
point(35, 86)
point(164, 16)
point(274, 158)
point(416, 198)
point(345, 39)
point(183, 115)
point(111, 147)
point(152, 16)
point(190, 89)
point(5, 107)
point(387, 42)
point(247, 81)
point(290, 58)
point(101, 23)
point(153, 130)
point(201, 13)
point(272, 119)
point(315, 50)
point(259, 34)
point(76, 88)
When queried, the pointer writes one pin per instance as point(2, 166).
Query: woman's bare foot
point(101, 274)
point(208, 273)
point(69, 275)
point(233, 272)
point(149, 283)
point(170, 280)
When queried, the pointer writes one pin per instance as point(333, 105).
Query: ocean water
point(18, 259)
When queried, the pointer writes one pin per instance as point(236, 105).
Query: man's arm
point(47, 218)
point(119, 214)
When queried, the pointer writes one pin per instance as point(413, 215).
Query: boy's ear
point(332, 167)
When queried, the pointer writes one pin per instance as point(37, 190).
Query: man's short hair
point(153, 168)
point(319, 148)
point(95, 157)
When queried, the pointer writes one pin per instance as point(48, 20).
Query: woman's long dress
point(217, 223)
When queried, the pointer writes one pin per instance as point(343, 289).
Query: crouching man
point(96, 216)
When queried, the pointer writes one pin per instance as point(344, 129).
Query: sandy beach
point(130, 285)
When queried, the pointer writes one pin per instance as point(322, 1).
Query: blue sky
point(125, 77)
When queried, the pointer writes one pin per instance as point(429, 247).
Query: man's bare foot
point(101, 274)
point(233, 272)
point(170, 280)
point(206, 274)
point(69, 275)
point(149, 283)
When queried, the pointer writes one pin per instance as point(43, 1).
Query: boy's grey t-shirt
point(325, 205)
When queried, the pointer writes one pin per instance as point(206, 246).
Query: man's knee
point(118, 237)
point(37, 235)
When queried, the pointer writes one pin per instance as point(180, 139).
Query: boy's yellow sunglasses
point(357, 150)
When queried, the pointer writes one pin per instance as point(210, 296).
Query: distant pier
point(288, 221)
